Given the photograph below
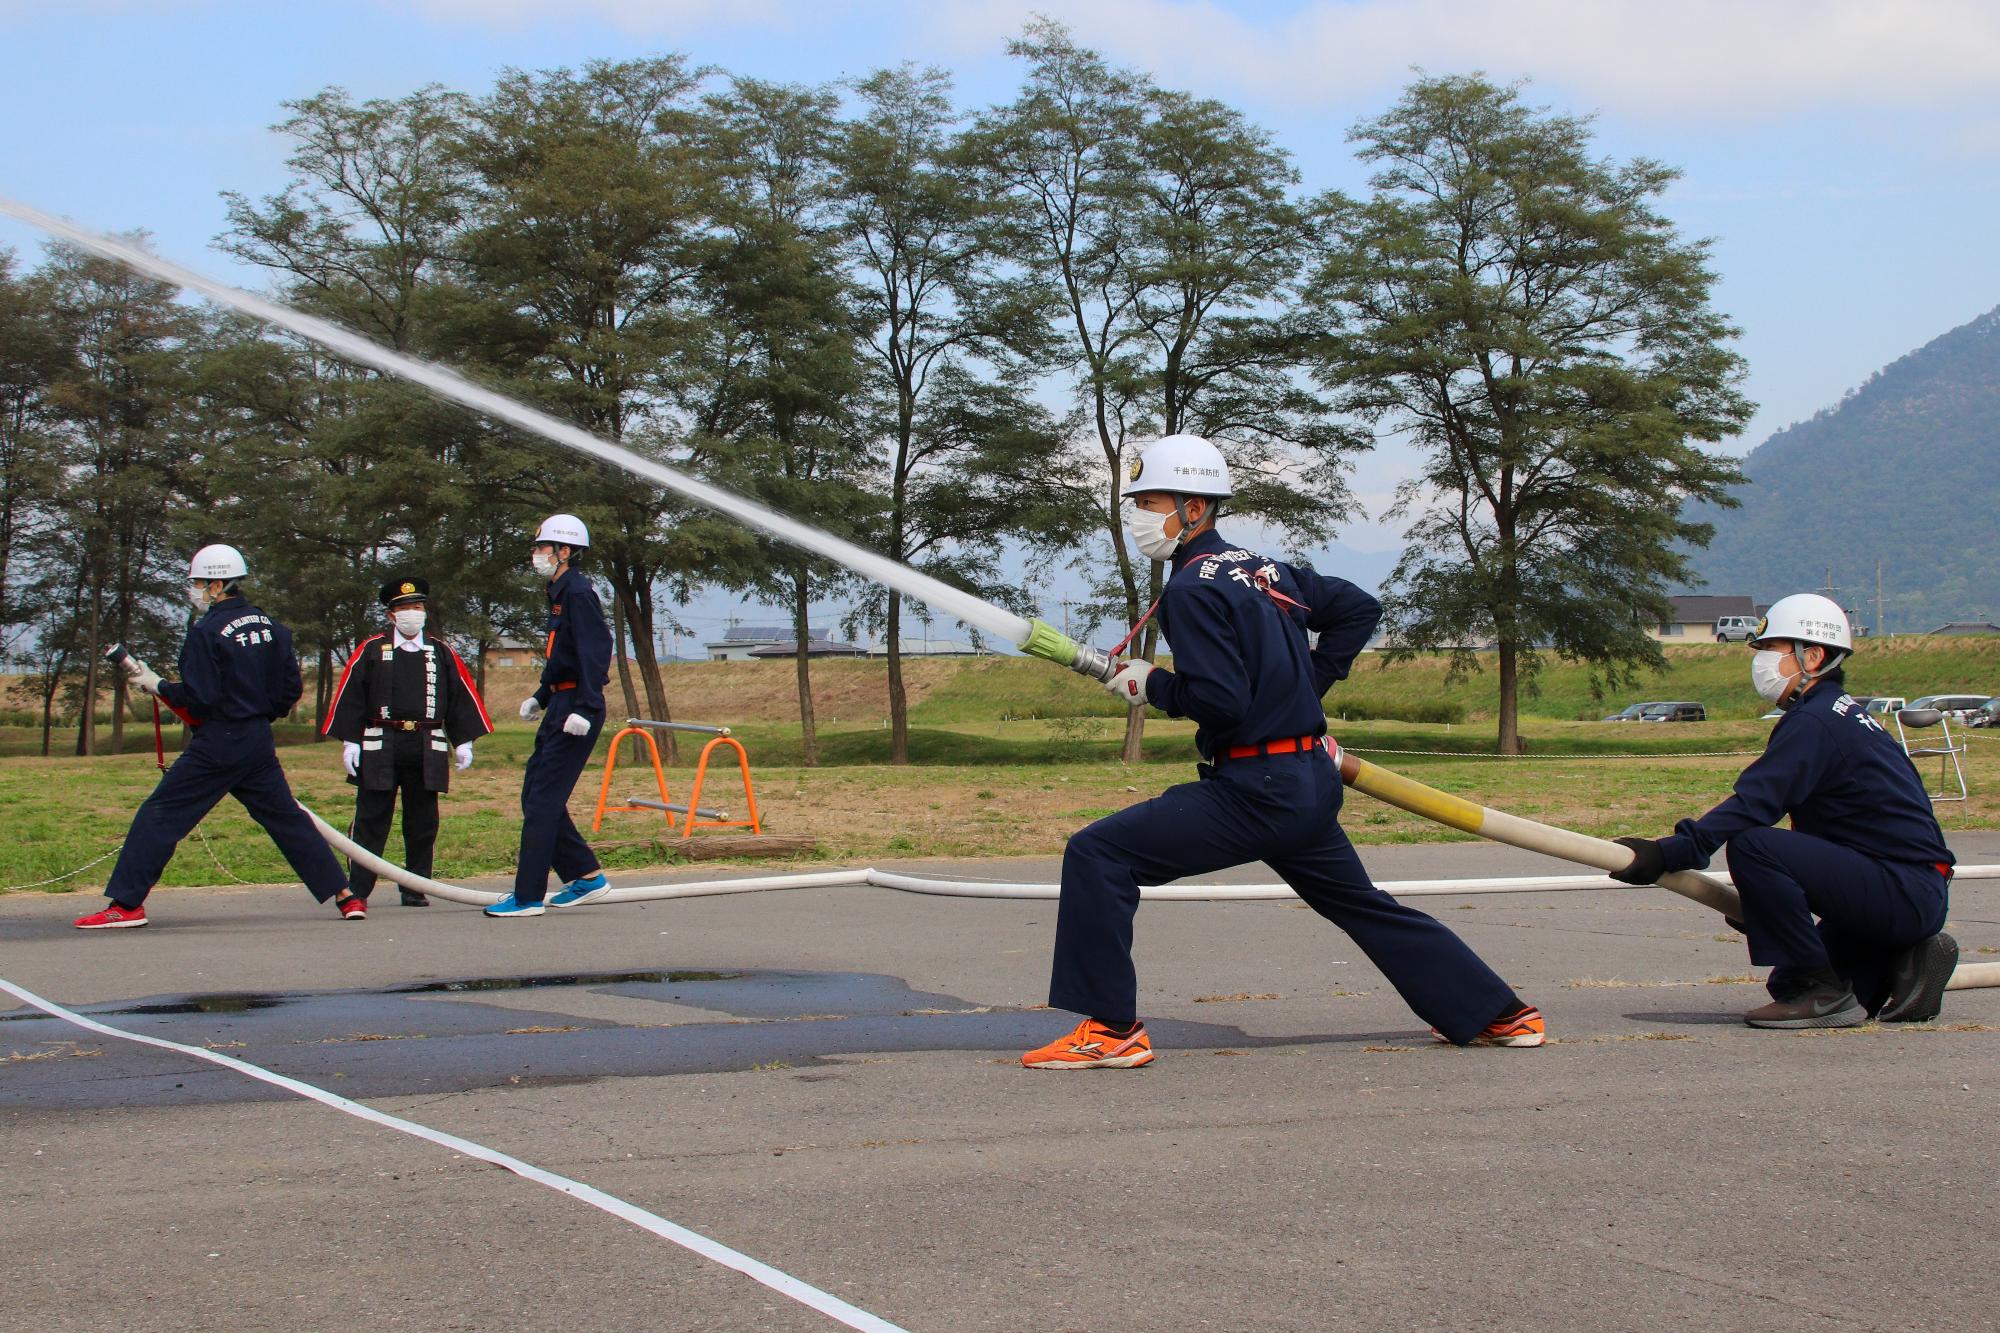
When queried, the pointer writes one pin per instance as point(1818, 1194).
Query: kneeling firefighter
point(238, 676)
point(1270, 788)
point(405, 707)
point(1864, 853)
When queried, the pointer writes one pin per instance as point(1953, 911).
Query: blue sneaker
point(507, 908)
point(580, 891)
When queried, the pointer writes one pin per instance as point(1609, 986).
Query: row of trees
point(937, 332)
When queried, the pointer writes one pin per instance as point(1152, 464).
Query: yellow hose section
point(1432, 804)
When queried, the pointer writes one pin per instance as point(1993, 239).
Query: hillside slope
point(1905, 470)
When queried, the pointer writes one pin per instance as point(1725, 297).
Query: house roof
point(1704, 607)
point(766, 634)
point(814, 648)
point(1967, 627)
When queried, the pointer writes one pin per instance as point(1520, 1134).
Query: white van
point(1735, 629)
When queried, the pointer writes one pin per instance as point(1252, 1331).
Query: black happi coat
point(363, 710)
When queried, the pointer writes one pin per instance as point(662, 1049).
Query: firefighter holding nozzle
point(406, 713)
point(1864, 853)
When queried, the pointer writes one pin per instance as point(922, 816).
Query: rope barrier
point(67, 874)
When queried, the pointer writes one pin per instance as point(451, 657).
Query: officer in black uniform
point(238, 676)
point(1864, 852)
point(570, 702)
point(404, 706)
point(1243, 669)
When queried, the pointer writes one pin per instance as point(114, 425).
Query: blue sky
point(1841, 153)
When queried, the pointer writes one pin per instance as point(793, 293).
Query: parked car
point(1735, 629)
point(1988, 714)
point(1958, 707)
point(1882, 704)
point(1675, 712)
point(1631, 712)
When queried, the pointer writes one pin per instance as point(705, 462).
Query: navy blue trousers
point(1284, 811)
point(548, 835)
point(1869, 911)
point(222, 759)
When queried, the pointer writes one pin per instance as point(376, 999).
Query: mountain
point(1905, 470)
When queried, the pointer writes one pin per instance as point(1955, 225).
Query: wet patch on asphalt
point(423, 1038)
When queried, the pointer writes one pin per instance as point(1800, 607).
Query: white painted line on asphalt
point(783, 1283)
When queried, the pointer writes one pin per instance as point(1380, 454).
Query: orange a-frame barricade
point(611, 767)
point(696, 816)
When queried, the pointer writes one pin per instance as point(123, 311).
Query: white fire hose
point(1499, 827)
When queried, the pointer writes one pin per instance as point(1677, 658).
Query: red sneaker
point(113, 917)
point(353, 909)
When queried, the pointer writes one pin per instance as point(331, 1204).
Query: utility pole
point(1881, 625)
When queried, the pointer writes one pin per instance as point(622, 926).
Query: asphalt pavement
point(827, 1080)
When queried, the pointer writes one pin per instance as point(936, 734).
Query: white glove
point(464, 753)
point(1129, 685)
point(146, 680)
point(576, 724)
point(531, 708)
point(350, 758)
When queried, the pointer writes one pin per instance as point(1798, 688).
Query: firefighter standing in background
point(404, 709)
point(570, 702)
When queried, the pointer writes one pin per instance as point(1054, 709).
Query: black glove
point(1648, 862)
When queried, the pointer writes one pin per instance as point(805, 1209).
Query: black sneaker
point(1819, 1007)
point(1916, 986)
point(410, 899)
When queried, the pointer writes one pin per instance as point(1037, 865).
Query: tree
point(967, 459)
point(341, 476)
point(123, 406)
point(34, 355)
point(1162, 225)
point(593, 201)
point(786, 332)
point(1519, 310)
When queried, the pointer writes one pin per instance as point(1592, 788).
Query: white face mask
point(544, 563)
point(1765, 677)
point(1148, 531)
point(198, 596)
point(409, 624)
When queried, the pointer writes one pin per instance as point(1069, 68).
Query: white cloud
point(1680, 59)
point(652, 18)
point(1705, 59)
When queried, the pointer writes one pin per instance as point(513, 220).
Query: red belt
point(1283, 745)
point(566, 685)
point(1942, 869)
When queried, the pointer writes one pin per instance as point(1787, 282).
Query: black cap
point(401, 592)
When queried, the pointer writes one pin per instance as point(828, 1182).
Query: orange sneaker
point(1524, 1027)
point(1093, 1046)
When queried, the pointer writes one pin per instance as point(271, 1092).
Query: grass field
point(1009, 757)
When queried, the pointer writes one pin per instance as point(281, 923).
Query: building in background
point(739, 642)
point(1693, 618)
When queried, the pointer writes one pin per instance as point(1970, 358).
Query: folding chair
point(1951, 773)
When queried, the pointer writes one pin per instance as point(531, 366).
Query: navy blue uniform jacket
point(1242, 668)
point(1838, 774)
point(236, 665)
point(579, 648)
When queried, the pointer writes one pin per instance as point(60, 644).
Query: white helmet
point(1181, 465)
point(1805, 617)
point(217, 562)
point(563, 530)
